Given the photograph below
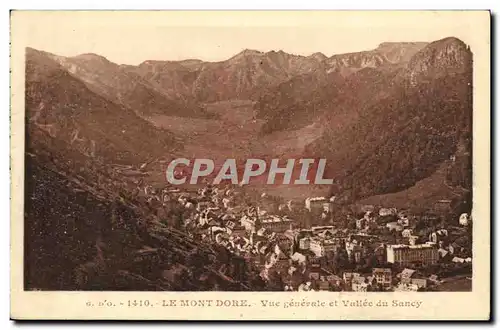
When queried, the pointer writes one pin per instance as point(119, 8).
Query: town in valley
point(390, 211)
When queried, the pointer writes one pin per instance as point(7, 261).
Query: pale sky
point(134, 37)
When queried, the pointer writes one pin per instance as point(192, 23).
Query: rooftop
point(314, 199)
point(417, 246)
point(275, 219)
point(381, 270)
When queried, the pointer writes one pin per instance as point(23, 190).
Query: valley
point(394, 125)
point(236, 133)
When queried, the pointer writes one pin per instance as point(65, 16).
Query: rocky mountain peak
point(399, 52)
point(248, 52)
point(318, 56)
point(400, 44)
point(91, 57)
point(446, 56)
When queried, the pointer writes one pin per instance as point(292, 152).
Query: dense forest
point(404, 139)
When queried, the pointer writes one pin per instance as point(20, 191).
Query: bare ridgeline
point(393, 123)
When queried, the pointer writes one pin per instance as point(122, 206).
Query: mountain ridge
point(64, 107)
point(371, 101)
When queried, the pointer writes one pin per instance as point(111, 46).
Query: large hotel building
point(407, 255)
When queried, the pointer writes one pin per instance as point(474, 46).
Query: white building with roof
point(299, 258)
point(402, 254)
point(319, 203)
point(275, 223)
point(316, 247)
point(464, 219)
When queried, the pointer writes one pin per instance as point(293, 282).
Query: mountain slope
point(333, 99)
point(390, 116)
point(426, 192)
point(101, 236)
point(125, 87)
point(173, 78)
point(404, 137)
point(347, 80)
point(177, 87)
point(386, 53)
point(66, 109)
point(242, 76)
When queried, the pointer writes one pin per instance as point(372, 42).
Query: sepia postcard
point(250, 165)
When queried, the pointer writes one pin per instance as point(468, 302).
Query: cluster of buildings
point(383, 250)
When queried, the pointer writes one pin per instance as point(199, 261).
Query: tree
point(351, 225)
point(275, 282)
point(341, 260)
